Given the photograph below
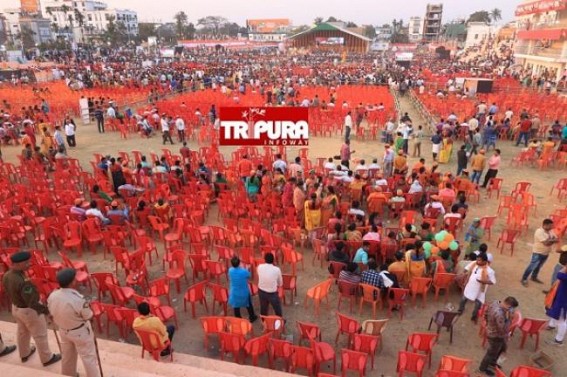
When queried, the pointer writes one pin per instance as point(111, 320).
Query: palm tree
point(495, 15)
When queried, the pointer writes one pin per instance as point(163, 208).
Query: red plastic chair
point(346, 325)
point(323, 352)
point(256, 347)
point(196, 293)
point(410, 362)
point(527, 371)
point(531, 327)
point(455, 364)
point(308, 331)
point(353, 360)
point(317, 293)
point(419, 286)
point(486, 223)
point(280, 349)
point(198, 264)
point(372, 295)
point(399, 299)
point(368, 344)
point(422, 342)
point(348, 291)
point(158, 226)
point(120, 295)
point(101, 279)
point(216, 269)
point(176, 269)
point(231, 343)
point(302, 357)
point(508, 236)
point(151, 343)
point(443, 281)
point(211, 326)
point(495, 184)
point(220, 295)
point(92, 232)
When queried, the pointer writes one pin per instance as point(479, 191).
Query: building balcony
point(549, 54)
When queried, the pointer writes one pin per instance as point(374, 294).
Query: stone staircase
point(124, 360)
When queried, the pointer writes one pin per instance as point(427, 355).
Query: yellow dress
point(416, 269)
point(445, 153)
point(312, 216)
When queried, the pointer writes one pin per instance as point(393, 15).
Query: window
point(476, 36)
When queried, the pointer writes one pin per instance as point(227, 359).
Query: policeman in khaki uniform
point(71, 312)
point(28, 312)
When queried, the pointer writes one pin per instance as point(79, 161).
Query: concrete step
point(124, 360)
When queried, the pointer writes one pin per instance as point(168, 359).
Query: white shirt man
point(481, 108)
point(180, 124)
point(374, 165)
point(508, 114)
point(390, 126)
point(269, 280)
point(111, 113)
point(329, 165)
point(97, 213)
point(415, 187)
point(361, 167)
point(356, 212)
point(69, 129)
point(437, 205)
point(348, 121)
point(280, 164)
point(164, 125)
point(475, 290)
point(305, 103)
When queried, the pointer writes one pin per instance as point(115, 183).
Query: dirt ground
point(466, 341)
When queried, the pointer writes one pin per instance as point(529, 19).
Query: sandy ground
point(466, 341)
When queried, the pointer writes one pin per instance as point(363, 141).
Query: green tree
point(351, 24)
point(370, 31)
point(318, 20)
point(479, 16)
point(332, 19)
point(495, 15)
point(212, 23)
point(26, 37)
point(145, 30)
point(180, 24)
point(115, 32)
point(399, 38)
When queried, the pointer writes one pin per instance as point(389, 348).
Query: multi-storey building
point(432, 22)
point(80, 18)
point(541, 37)
point(415, 29)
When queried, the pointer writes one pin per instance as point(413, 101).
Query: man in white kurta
point(480, 277)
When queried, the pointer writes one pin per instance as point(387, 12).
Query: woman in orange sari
point(329, 205)
point(266, 187)
point(415, 260)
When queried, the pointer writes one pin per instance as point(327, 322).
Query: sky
point(375, 12)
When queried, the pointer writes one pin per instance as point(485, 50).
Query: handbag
point(550, 296)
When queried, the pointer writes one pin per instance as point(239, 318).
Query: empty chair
point(368, 344)
point(422, 342)
point(453, 363)
point(256, 347)
point(353, 360)
point(346, 325)
point(531, 327)
point(527, 371)
point(410, 362)
point(445, 319)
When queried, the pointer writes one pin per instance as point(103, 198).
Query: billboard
point(29, 6)
point(330, 41)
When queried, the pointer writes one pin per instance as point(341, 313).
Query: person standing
point(72, 313)
point(558, 310)
point(348, 125)
point(180, 125)
point(166, 135)
point(99, 116)
point(481, 275)
point(148, 322)
point(478, 162)
point(28, 312)
point(346, 153)
point(239, 293)
point(269, 280)
point(544, 239)
point(498, 318)
point(70, 130)
point(525, 129)
point(58, 137)
point(493, 166)
point(462, 159)
point(388, 161)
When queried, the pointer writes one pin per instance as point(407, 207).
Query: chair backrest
point(212, 325)
point(196, 292)
point(273, 323)
point(308, 330)
point(422, 341)
point(365, 343)
point(302, 357)
point(527, 371)
point(159, 287)
point(237, 325)
point(453, 363)
point(348, 289)
point(445, 318)
point(353, 360)
point(374, 326)
point(280, 348)
point(231, 342)
point(532, 326)
point(410, 362)
point(400, 295)
point(257, 346)
point(370, 292)
point(347, 324)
